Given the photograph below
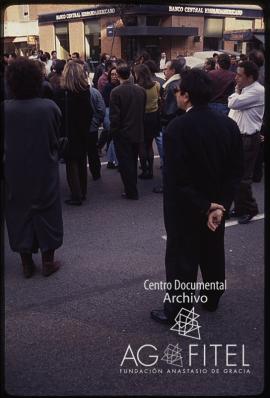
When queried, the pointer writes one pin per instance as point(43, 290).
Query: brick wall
point(229, 45)
point(186, 45)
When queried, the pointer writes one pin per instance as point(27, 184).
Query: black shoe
point(97, 177)
point(158, 189)
point(132, 197)
point(245, 219)
point(233, 213)
point(73, 202)
point(111, 165)
point(29, 270)
point(49, 268)
point(159, 316)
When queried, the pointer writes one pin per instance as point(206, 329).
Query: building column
point(76, 38)
point(46, 38)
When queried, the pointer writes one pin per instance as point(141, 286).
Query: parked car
point(194, 62)
point(206, 54)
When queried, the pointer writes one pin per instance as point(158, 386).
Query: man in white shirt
point(247, 109)
point(162, 62)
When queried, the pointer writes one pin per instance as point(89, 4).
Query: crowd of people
point(55, 113)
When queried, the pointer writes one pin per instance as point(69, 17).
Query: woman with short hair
point(33, 205)
point(75, 104)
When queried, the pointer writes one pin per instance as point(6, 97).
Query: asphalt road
point(67, 334)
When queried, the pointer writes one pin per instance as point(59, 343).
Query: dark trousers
point(103, 139)
point(185, 252)
point(146, 154)
point(244, 202)
point(77, 177)
point(127, 155)
point(92, 153)
point(258, 168)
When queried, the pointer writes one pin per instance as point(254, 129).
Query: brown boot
point(49, 268)
point(28, 264)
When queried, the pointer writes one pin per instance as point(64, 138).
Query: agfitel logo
point(186, 324)
point(226, 358)
point(172, 355)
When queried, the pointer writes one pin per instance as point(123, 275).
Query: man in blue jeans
point(170, 110)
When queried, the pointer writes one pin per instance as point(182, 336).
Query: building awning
point(260, 37)
point(244, 36)
point(21, 39)
point(156, 31)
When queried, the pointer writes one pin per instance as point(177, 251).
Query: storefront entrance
point(132, 47)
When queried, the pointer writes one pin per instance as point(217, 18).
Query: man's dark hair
point(103, 57)
point(243, 57)
point(152, 66)
point(198, 85)
point(211, 62)
point(53, 51)
point(24, 78)
point(43, 58)
point(250, 69)
point(178, 65)
point(257, 57)
point(108, 65)
point(59, 66)
point(77, 55)
point(120, 61)
point(47, 55)
point(144, 56)
point(123, 71)
point(224, 61)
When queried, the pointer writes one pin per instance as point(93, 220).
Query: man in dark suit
point(127, 107)
point(203, 164)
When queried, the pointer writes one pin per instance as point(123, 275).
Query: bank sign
point(206, 11)
point(150, 9)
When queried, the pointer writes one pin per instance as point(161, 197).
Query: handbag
point(63, 142)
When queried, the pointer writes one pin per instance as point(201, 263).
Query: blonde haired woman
point(73, 99)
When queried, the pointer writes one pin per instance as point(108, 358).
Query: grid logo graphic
point(186, 324)
point(172, 355)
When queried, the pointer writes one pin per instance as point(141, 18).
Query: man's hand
point(238, 90)
point(214, 219)
point(262, 137)
point(215, 206)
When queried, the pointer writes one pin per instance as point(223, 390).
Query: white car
point(194, 62)
point(206, 54)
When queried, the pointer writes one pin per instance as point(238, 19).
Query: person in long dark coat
point(127, 105)
point(203, 166)
point(75, 103)
point(33, 207)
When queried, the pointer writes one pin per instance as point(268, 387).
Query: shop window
point(130, 20)
point(92, 40)
point(153, 20)
point(62, 40)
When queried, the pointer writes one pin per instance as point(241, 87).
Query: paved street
point(67, 334)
